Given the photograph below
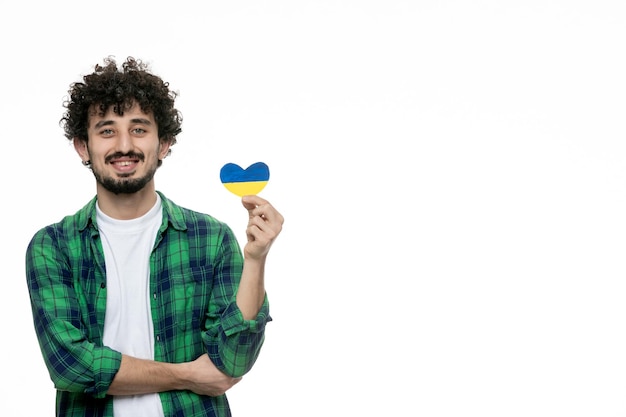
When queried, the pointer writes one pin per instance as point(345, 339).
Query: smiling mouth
point(125, 167)
point(123, 163)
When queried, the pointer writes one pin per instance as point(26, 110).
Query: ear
point(81, 148)
point(164, 148)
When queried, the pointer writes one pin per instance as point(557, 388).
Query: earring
point(87, 163)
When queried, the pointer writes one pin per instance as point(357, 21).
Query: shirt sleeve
point(233, 344)
point(75, 363)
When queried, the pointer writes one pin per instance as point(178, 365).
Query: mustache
point(133, 155)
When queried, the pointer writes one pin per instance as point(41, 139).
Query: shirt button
point(158, 338)
point(154, 296)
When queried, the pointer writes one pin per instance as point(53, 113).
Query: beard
point(123, 184)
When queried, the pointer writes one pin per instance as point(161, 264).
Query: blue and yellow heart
point(249, 181)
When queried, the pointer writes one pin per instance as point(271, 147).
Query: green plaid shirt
point(195, 267)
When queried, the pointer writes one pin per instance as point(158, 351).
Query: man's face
point(124, 150)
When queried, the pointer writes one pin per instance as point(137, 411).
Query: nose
point(124, 142)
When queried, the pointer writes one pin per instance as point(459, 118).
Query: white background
point(452, 174)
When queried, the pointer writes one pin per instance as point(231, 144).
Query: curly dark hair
point(109, 86)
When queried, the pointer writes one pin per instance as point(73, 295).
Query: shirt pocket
point(183, 289)
point(191, 296)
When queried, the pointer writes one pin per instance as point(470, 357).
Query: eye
point(139, 131)
point(106, 132)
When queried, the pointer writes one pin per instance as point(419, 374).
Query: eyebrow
point(110, 122)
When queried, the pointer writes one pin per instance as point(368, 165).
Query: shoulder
point(69, 226)
point(184, 218)
point(55, 243)
point(201, 232)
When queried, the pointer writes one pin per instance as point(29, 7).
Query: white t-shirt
point(128, 326)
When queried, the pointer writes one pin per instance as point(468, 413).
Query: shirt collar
point(172, 214)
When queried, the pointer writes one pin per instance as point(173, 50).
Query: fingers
point(266, 219)
point(225, 386)
point(261, 232)
point(207, 379)
point(262, 212)
point(264, 225)
point(252, 201)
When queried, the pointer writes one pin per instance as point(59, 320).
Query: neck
point(126, 206)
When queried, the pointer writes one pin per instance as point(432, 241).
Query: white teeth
point(124, 163)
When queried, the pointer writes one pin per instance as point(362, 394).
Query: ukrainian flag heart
point(249, 181)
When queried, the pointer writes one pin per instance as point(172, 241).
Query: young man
point(142, 307)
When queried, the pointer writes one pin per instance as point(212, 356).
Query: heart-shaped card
point(249, 181)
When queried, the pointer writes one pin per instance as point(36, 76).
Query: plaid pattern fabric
point(195, 265)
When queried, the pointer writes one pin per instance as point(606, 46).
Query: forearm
point(141, 376)
point(251, 291)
